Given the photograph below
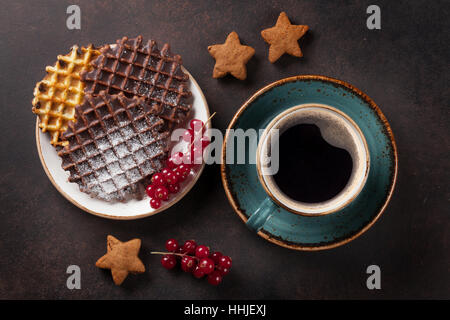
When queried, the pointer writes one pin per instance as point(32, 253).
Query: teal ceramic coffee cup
point(338, 130)
point(329, 226)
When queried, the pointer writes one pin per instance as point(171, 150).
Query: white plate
point(132, 209)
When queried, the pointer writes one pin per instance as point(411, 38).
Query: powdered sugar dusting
point(123, 150)
point(171, 98)
point(120, 154)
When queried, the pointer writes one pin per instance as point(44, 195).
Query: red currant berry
point(189, 247)
point(197, 272)
point(215, 278)
point(180, 250)
point(175, 160)
point(165, 171)
point(196, 150)
point(206, 265)
point(162, 193)
point(196, 154)
point(197, 125)
point(158, 179)
point(172, 245)
point(215, 256)
point(188, 135)
point(168, 261)
point(185, 168)
point(188, 264)
point(187, 159)
point(180, 177)
point(150, 190)
point(155, 203)
point(182, 172)
point(225, 262)
point(171, 177)
point(202, 251)
point(205, 142)
point(173, 188)
point(223, 270)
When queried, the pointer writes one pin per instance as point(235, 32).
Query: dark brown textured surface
point(403, 67)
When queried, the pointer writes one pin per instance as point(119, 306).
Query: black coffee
point(311, 170)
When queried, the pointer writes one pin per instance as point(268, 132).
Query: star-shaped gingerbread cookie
point(283, 38)
point(121, 258)
point(231, 57)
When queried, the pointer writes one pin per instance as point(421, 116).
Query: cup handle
point(261, 215)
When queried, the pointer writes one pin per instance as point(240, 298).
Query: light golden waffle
point(61, 90)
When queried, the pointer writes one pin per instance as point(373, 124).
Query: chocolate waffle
point(114, 146)
point(56, 96)
point(141, 69)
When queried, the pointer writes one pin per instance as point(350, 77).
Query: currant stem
point(173, 253)
point(208, 120)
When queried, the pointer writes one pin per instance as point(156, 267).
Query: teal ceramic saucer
point(294, 231)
